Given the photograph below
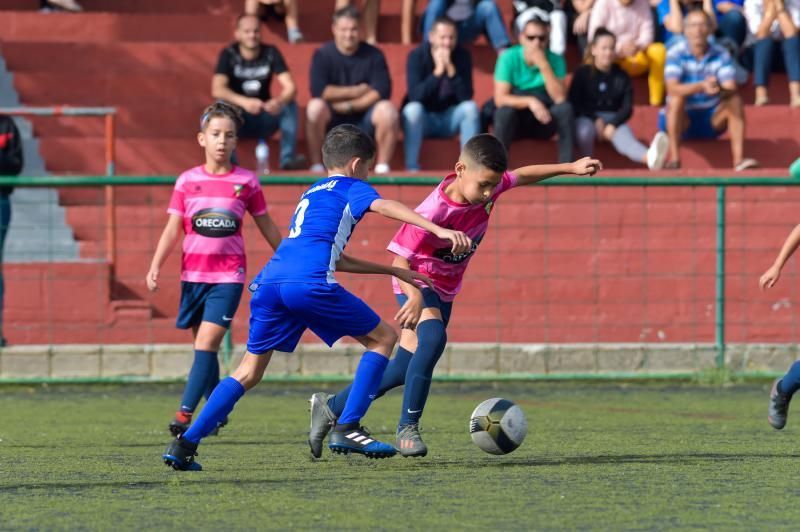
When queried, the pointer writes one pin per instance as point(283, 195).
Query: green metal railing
point(719, 183)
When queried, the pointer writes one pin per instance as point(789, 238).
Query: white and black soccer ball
point(498, 426)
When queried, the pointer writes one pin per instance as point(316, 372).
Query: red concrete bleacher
point(153, 60)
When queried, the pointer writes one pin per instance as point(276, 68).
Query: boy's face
point(475, 182)
point(219, 139)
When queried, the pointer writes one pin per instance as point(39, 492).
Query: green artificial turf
point(597, 456)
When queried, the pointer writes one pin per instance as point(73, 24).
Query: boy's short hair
point(224, 110)
point(350, 12)
point(487, 151)
point(345, 142)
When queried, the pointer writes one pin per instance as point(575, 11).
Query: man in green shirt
point(529, 91)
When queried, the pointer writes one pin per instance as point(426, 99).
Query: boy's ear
point(460, 167)
point(201, 139)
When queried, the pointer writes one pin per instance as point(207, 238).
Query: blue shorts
point(281, 312)
point(431, 300)
point(214, 302)
point(362, 120)
point(700, 124)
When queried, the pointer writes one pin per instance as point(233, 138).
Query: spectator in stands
point(472, 18)
point(371, 10)
point(732, 26)
point(525, 10)
point(702, 96)
point(243, 76)
point(670, 13)
point(60, 5)
point(632, 23)
point(601, 95)
point(529, 92)
point(772, 22)
point(581, 10)
point(282, 9)
point(350, 84)
point(439, 75)
point(11, 163)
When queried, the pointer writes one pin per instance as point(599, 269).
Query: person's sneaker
point(181, 423)
point(382, 168)
point(180, 455)
point(657, 152)
point(409, 442)
point(297, 162)
point(317, 168)
point(322, 420)
point(358, 440)
point(294, 35)
point(778, 407)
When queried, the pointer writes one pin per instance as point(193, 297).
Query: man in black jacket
point(11, 161)
point(439, 75)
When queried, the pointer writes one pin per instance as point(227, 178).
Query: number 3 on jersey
point(299, 218)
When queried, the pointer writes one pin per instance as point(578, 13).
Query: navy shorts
point(363, 120)
point(214, 302)
point(281, 312)
point(700, 124)
point(431, 300)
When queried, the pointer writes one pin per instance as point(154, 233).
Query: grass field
point(598, 456)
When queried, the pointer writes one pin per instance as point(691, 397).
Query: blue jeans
point(419, 123)
point(5, 221)
point(486, 18)
point(762, 54)
point(263, 125)
point(733, 26)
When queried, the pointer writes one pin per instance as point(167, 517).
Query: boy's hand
point(586, 166)
point(152, 280)
point(410, 277)
point(408, 315)
point(461, 242)
point(769, 278)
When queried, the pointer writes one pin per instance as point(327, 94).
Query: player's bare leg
point(317, 118)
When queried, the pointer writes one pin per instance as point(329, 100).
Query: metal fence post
point(719, 318)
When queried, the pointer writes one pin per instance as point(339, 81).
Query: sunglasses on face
point(536, 37)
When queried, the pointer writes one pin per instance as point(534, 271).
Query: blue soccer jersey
point(318, 233)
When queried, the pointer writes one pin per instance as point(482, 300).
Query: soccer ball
point(498, 426)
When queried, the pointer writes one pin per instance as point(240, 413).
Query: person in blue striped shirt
point(702, 99)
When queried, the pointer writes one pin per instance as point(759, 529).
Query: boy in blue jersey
point(296, 290)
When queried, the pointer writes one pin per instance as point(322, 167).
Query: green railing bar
point(719, 315)
point(615, 181)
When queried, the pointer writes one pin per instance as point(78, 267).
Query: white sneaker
point(382, 168)
point(317, 168)
point(657, 152)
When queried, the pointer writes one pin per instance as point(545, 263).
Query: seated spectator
point(581, 10)
point(601, 95)
point(772, 22)
point(670, 13)
point(350, 84)
point(632, 23)
point(371, 10)
point(732, 26)
point(702, 99)
point(439, 76)
point(525, 10)
point(472, 18)
point(60, 5)
point(529, 92)
point(283, 9)
point(243, 76)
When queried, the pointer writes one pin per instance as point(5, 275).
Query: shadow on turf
point(677, 458)
point(130, 484)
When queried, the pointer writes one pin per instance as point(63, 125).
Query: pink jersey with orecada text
point(212, 208)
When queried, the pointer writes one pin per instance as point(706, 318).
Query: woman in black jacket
point(601, 95)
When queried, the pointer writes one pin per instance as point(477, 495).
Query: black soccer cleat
point(181, 423)
point(358, 440)
point(180, 455)
point(778, 407)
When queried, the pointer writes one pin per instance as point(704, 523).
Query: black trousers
point(511, 124)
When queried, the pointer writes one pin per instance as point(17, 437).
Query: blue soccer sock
point(791, 381)
point(365, 385)
point(204, 362)
point(213, 377)
point(431, 341)
point(219, 405)
point(394, 376)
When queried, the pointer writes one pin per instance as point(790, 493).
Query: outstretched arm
point(350, 264)
point(268, 229)
point(772, 275)
point(397, 211)
point(539, 172)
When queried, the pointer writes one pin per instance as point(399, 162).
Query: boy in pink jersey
point(209, 203)
point(464, 202)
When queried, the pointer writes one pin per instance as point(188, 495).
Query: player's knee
point(317, 111)
point(384, 339)
point(384, 115)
